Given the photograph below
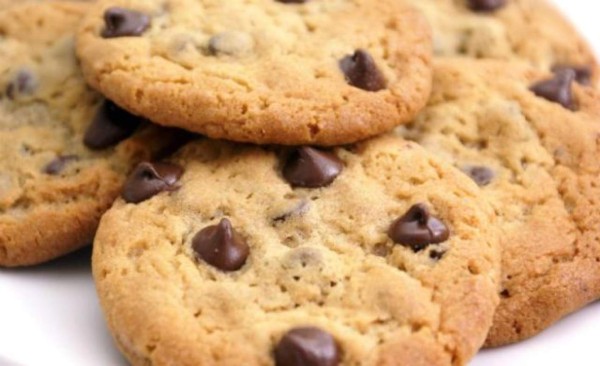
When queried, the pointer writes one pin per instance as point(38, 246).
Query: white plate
point(49, 315)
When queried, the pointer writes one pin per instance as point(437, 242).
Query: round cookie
point(531, 140)
point(263, 71)
point(53, 187)
point(530, 30)
point(236, 254)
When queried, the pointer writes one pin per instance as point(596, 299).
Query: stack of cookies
point(305, 182)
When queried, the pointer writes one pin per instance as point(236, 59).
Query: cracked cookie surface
point(536, 159)
point(221, 268)
point(533, 31)
point(262, 71)
point(53, 188)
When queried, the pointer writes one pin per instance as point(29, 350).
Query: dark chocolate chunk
point(417, 229)
point(486, 5)
point(24, 82)
point(307, 346)
point(57, 165)
point(221, 246)
point(121, 22)
point(362, 72)
point(149, 179)
point(311, 168)
point(557, 89)
point(480, 174)
point(110, 126)
point(583, 73)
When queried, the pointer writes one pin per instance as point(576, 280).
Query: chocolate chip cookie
point(242, 255)
point(530, 139)
point(263, 71)
point(64, 151)
point(529, 30)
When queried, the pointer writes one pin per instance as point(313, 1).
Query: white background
point(49, 315)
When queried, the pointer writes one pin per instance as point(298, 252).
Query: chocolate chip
point(121, 22)
point(480, 174)
point(362, 72)
point(417, 229)
point(110, 126)
point(436, 254)
point(486, 5)
point(24, 82)
point(307, 346)
point(583, 73)
point(311, 168)
point(57, 165)
point(557, 89)
point(221, 246)
point(149, 179)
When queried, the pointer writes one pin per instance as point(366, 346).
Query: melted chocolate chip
point(149, 179)
point(362, 72)
point(437, 255)
point(110, 126)
point(486, 5)
point(121, 22)
point(24, 82)
point(311, 168)
point(417, 229)
point(221, 246)
point(583, 73)
point(557, 89)
point(307, 346)
point(480, 174)
point(57, 165)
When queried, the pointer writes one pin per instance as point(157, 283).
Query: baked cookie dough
point(263, 71)
point(64, 151)
point(240, 255)
point(531, 31)
point(530, 139)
